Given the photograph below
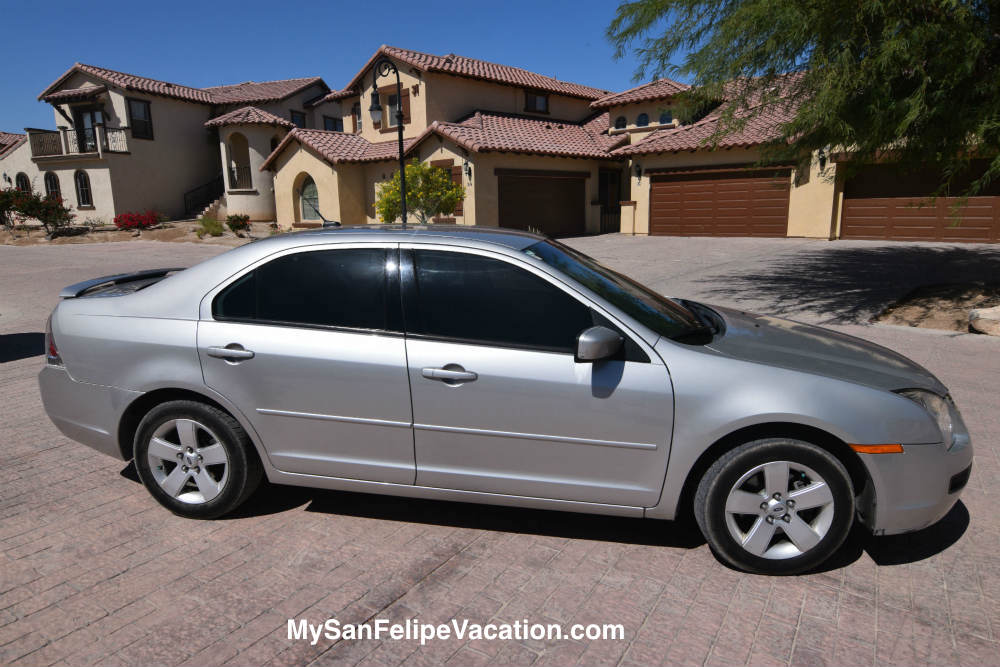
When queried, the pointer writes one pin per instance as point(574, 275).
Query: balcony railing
point(82, 141)
point(240, 178)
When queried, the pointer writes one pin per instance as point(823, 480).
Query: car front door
point(499, 403)
point(309, 346)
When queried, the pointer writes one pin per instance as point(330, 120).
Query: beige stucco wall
point(812, 201)
point(290, 168)
point(20, 161)
point(258, 200)
point(450, 98)
point(409, 78)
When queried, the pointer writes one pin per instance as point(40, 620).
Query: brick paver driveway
point(93, 571)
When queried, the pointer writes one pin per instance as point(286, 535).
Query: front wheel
point(775, 506)
point(195, 459)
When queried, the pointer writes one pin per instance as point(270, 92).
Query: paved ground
point(93, 571)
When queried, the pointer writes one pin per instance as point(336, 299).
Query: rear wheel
point(775, 506)
point(196, 460)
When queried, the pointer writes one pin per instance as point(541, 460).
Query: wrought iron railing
point(240, 178)
point(203, 195)
point(46, 143)
point(611, 219)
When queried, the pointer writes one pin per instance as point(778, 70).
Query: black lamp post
point(382, 68)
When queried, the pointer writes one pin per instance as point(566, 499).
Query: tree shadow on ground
point(851, 284)
point(21, 346)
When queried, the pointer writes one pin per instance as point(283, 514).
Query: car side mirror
point(597, 343)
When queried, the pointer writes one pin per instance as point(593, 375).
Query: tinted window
point(334, 288)
point(490, 301)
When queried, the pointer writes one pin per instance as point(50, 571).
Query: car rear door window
point(466, 297)
point(346, 288)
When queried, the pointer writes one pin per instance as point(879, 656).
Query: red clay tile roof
point(133, 82)
point(339, 147)
point(333, 95)
point(479, 69)
point(249, 116)
point(762, 125)
point(655, 90)
point(81, 93)
point(9, 141)
point(265, 91)
point(486, 131)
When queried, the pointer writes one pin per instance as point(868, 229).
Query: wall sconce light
point(822, 159)
point(468, 169)
point(6, 178)
point(638, 171)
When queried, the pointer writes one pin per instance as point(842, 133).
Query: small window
point(298, 119)
point(51, 184)
point(333, 124)
point(274, 143)
point(22, 183)
point(391, 107)
point(666, 117)
point(536, 102)
point(620, 123)
point(500, 304)
point(642, 120)
point(325, 288)
point(356, 113)
point(82, 181)
point(140, 118)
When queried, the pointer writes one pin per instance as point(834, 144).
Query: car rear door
point(309, 346)
point(499, 403)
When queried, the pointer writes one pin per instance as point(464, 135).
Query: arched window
point(51, 184)
point(21, 182)
point(642, 120)
point(309, 199)
point(666, 117)
point(82, 182)
point(620, 123)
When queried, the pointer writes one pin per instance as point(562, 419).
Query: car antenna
point(326, 223)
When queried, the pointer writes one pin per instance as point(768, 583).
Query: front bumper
point(917, 488)
point(87, 413)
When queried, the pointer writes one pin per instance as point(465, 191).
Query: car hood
point(802, 347)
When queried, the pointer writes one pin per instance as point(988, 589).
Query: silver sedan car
point(499, 367)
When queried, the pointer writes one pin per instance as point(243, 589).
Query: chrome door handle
point(449, 375)
point(232, 352)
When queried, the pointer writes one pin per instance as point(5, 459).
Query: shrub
point(137, 220)
point(238, 223)
point(20, 205)
point(209, 226)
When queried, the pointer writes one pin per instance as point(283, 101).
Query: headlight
point(938, 408)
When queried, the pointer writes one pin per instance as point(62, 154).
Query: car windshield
point(662, 315)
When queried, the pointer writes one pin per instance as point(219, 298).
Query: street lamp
point(382, 67)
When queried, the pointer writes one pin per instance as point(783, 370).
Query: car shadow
point(21, 346)
point(922, 544)
point(851, 284)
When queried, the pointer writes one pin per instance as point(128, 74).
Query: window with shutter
point(140, 118)
point(456, 177)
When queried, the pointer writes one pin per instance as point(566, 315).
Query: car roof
point(509, 238)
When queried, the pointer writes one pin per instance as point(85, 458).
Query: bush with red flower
point(23, 205)
point(137, 220)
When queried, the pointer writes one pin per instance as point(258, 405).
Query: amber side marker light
point(878, 449)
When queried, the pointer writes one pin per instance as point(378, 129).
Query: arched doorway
point(239, 162)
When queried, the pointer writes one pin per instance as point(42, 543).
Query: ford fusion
point(499, 367)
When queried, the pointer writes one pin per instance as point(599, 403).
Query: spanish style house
point(533, 152)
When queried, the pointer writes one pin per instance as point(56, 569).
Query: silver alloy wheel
point(188, 461)
point(779, 509)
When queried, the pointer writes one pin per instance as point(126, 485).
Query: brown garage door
point(882, 203)
point(550, 202)
point(726, 203)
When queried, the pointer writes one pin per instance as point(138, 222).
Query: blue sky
point(206, 43)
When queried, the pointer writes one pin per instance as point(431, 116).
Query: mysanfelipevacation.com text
point(413, 629)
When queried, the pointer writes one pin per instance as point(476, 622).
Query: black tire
point(244, 468)
point(719, 480)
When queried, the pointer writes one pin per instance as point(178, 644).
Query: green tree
point(429, 192)
point(914, 80)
